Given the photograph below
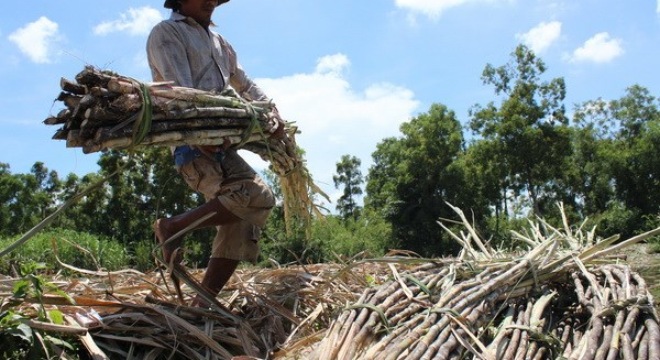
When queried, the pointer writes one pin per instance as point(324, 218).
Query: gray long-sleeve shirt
point(181, 50)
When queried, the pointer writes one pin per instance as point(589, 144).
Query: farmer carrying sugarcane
point(184, 50)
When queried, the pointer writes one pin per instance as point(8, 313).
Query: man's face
point(200, 10)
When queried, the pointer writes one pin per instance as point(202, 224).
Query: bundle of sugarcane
point(104, 111)
point(550, 303)
point(109, 111)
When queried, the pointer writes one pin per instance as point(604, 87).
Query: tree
point(350, 176)
point(26, 198)
point(619, 148)
point(412, 179)
point(529, 126)
point(10, 187)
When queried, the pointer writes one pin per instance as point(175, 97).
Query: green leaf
point(56, 317)
point(23, 331)
point(58, 342)
point(21, 288)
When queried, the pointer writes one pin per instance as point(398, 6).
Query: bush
point(346, 238)
point(330, 237)
point(74, 248)
point(142, 258)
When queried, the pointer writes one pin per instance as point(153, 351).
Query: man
point(183, 49)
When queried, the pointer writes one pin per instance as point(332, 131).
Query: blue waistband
point(185, 154)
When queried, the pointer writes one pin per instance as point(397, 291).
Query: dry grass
point(570, 295)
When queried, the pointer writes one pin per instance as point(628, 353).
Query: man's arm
point(167, 57)
point(238, 79)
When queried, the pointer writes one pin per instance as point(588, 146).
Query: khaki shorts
point(251, 200)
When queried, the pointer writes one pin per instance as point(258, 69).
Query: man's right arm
point(166, 53)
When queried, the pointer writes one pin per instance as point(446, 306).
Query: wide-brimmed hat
point(170, 3)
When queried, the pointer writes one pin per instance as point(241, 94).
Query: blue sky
point(348, 72)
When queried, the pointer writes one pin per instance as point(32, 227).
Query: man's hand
point(213, 150)
point(277, 129)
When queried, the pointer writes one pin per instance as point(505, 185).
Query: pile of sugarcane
point(103, 110)
point(568, 296)
point(549, 303)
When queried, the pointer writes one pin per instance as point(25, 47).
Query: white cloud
point(336, 119)
point(540, 37)
point(37, 39)
point(135, 22)
point(435, 8)
point(657, 9)
point(599, 49)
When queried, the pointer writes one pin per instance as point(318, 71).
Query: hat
point(170, 4)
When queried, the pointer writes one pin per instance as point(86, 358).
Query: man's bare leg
point(218, 272)
point(166, 227)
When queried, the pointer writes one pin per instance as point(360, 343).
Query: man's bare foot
point(162, 234)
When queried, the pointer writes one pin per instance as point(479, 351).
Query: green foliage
point(350, 176)
point(74, 248)
point(369, 236)
point(278, 245)
point(26, 198)
point(332, 238)
point(142, 258)
point(529, 128)
point(412, 179)
point(17, 339)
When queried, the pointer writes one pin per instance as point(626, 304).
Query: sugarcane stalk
point(337, 332)
point(653, 337)
point(623, 277)
point(73, 139)
point(100, 92)
point(71, 101)
point(53, 120)
point(566, 332)
point(72, 87)
point(612, 350)
point(524, 334)
point(606, 340)
point(231, 125)
point(204, 137)
point(494, 349)
point(580, 340)
point(594, 333)
point(407, 312)
point(445, 345)
point(122, 86)
point(612, 285)
point(378, 349)
point(514, 341)
point(626, 350)
point(643, 350)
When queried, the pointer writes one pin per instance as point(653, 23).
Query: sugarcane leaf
point(375, 309)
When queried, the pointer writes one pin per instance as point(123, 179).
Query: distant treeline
point(514, 158)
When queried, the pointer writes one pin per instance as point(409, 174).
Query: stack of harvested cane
point(546, 304)
point(104, 111)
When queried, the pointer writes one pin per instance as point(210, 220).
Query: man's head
point(176, 4)
point(200, 10)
